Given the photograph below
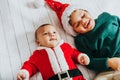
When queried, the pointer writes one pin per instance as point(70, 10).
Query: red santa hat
point(63, 12)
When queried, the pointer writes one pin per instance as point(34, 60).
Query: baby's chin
point(53, 45)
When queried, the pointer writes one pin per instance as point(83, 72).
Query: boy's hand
point(114, 63)
point(83, 59)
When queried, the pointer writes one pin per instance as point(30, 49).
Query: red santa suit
point(50, 61)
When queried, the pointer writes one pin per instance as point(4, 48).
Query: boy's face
point(47, 36)
point(81, 21)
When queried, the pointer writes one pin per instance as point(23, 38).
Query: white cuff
point(80, 55)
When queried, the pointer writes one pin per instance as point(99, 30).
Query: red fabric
point(39, 61)
point(57, 7)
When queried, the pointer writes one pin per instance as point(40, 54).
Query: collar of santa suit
point(56, 57)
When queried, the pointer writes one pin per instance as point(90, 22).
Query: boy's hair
point(39, 28)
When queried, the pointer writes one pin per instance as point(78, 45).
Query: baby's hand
point(114, 63)
point(83, 59)
point(23, 75)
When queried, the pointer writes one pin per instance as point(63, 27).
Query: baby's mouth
point(52, 39)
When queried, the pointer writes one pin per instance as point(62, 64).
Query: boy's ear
point(37, 42)
point(70, 22)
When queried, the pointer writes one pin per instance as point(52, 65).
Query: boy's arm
point(114, 63)
point(118, 19)
point(102, 64)
point(98, 64)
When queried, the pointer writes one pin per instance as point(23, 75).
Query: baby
point(54, 58)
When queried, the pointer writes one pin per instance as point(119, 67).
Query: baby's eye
point(54, 32)
point(45, 33)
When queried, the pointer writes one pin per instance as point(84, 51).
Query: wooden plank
point(111, 7)
point(20, 21)
point(19, 28)
point(14, 39)
point(5, 63)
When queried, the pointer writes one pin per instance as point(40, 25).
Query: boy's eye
point(83, 16)
point(77, 25)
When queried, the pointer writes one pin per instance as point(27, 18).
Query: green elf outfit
point(102, 42)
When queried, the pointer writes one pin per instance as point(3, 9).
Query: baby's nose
point(51, 34)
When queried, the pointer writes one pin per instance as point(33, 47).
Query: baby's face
point(47, 36)
point(81, 21)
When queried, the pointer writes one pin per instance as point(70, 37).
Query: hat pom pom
point(39, 3)
point(36, 3)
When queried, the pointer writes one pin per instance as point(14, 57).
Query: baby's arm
point(114, 63)
point(29, 68)
point(23, 75)
point(83, 59)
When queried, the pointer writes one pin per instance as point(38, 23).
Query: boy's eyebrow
point(74, 10)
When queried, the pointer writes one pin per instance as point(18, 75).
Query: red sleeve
point(75, 54)
point(30, 65)
point(72, 51)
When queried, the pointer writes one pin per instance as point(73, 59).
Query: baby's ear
point(37, 42)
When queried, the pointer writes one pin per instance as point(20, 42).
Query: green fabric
point(102, 42)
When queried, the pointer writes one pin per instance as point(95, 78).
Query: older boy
point(99, 38)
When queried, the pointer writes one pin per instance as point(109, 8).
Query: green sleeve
point(115, 18)
point(118, 19)
point(98, 64)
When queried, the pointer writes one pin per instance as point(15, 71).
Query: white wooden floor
point(20, 18)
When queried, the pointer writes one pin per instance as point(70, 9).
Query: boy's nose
point(83, 21)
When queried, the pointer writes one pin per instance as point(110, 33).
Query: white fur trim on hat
point(66, 17)
point(39, 3)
